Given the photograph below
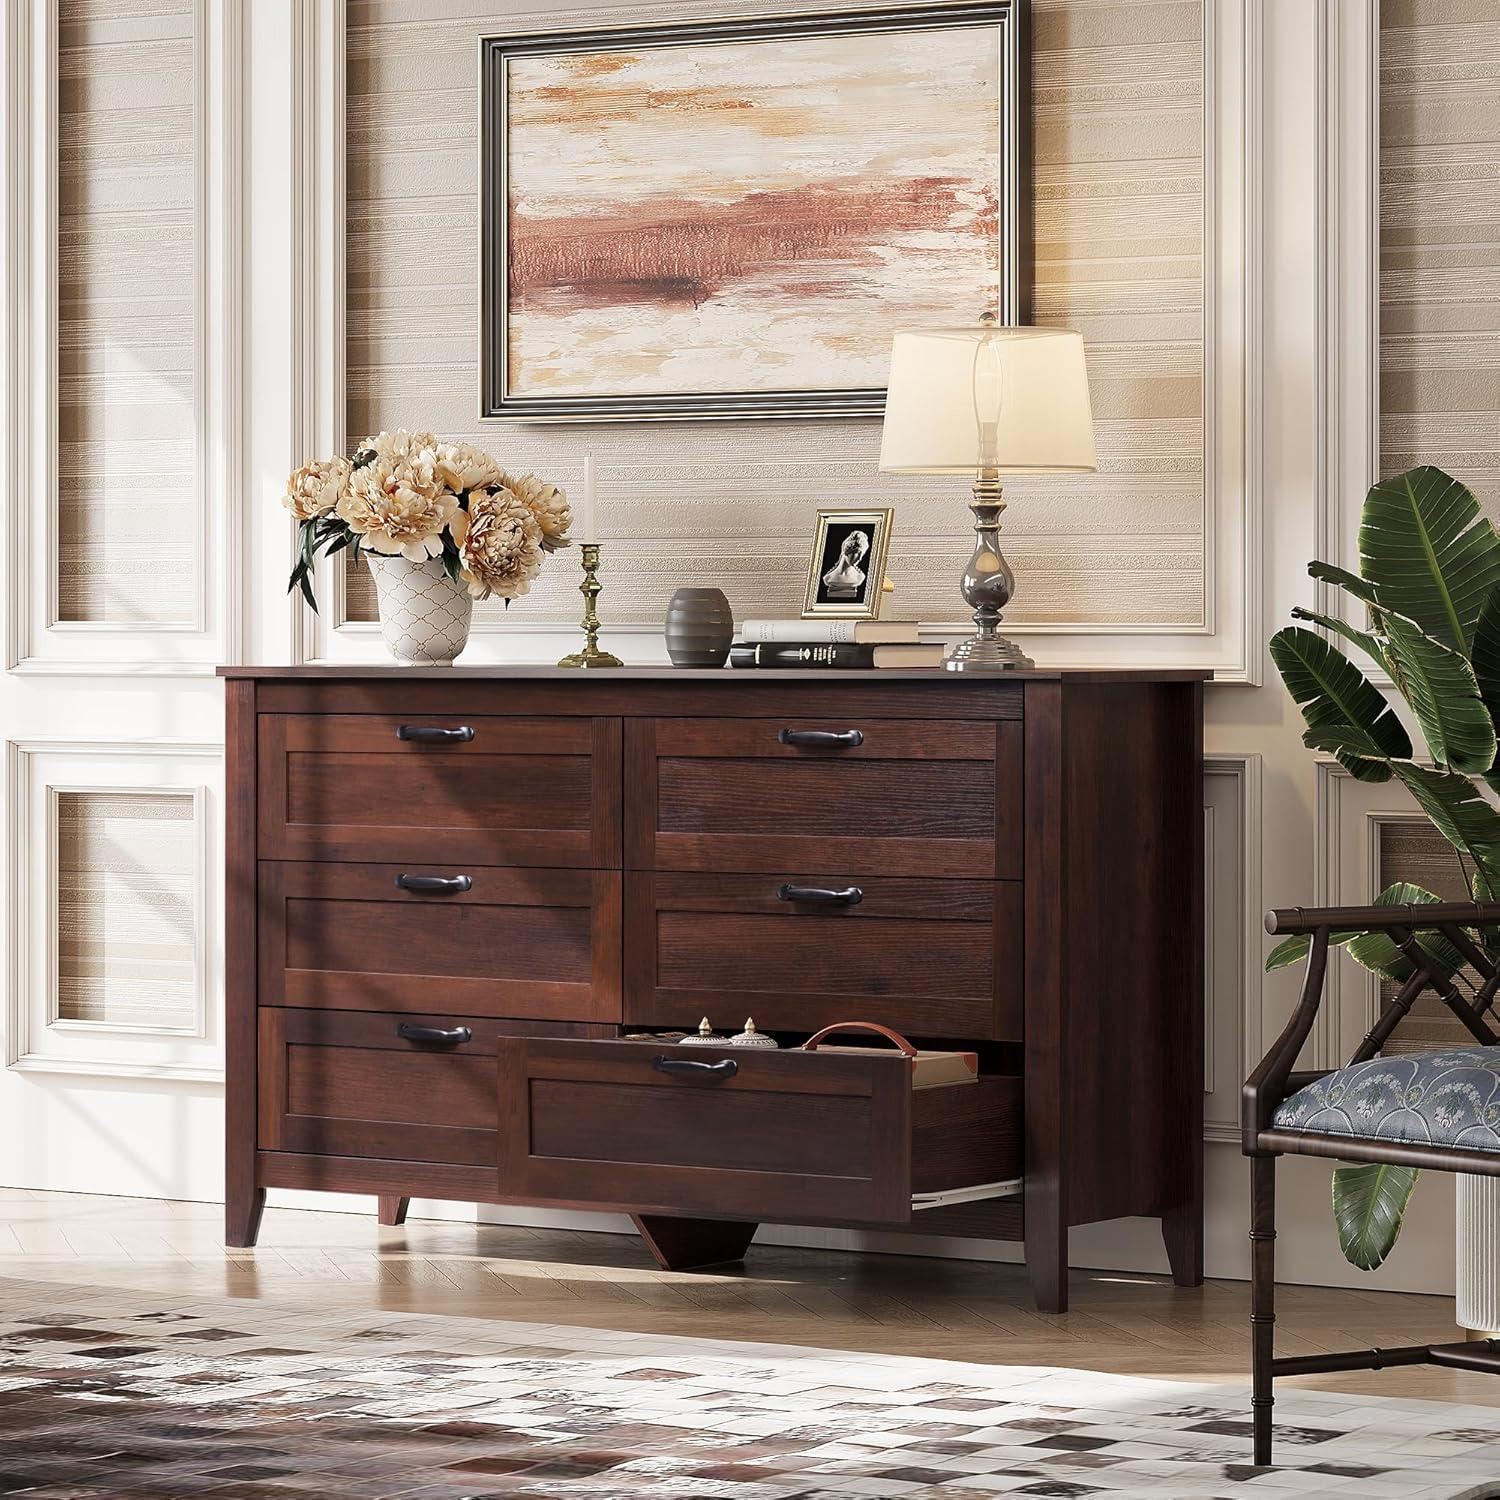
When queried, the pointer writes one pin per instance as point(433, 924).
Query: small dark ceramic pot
point(700, 626)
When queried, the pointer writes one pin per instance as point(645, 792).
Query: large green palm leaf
point(1439, 684)
point(1368, 1203)
point(1344, 711)
point(1429, 553)
point(1460, 813)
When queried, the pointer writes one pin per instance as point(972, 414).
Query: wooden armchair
point(1438, 1110)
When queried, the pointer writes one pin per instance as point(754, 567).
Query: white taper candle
point(590, 518)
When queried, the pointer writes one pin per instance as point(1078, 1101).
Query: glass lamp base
point(986, 653)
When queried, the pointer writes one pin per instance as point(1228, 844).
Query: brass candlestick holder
point(590, 588)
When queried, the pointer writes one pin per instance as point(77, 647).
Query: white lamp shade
point(965, 399)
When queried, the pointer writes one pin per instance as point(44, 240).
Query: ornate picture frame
point(846, 573)
point(724, 218)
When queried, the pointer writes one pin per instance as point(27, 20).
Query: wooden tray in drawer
point(743, 1133)
point(937, 958)
point(877, 796)
point(532, 944)
point(392, 1087)
point(491, 789)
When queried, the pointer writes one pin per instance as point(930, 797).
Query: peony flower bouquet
point(404, 494)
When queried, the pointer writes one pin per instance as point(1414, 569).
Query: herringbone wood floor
point(946, 1309)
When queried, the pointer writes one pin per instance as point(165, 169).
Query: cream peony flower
point(499, 544)
point(462, 466)
point(548, 504)
point(395, 500)
point(315, 488)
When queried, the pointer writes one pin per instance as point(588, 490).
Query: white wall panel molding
point(39, 639)
point(1231, 1000)
point(53, 958)
point(1349, 288)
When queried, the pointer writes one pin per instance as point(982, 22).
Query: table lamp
point(986, 401)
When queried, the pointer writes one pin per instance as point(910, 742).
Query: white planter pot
point(424, 615)
point(1476, 1300)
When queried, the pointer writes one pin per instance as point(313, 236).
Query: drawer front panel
point(934, 958)
point(535, 944)
point(515, 791)
point(786, 1136)
point(910, 797)
point(340, 1084)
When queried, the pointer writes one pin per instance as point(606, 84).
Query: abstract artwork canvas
point(732, 218)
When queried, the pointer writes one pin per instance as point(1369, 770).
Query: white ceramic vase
point(424, 614)
point(1476, 1303)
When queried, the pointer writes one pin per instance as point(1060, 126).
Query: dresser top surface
point(725, 675)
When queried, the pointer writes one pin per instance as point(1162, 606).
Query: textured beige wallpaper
point(128, 502)
point(1439, 227)
point(126, 871)
point(1119, 204)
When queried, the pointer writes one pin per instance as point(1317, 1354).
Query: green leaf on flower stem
point(1460, 813)
point(1369, 1201)
point(1345, 713)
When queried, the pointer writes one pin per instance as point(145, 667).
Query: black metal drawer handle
point(434, 885)
point(821, 895)
point(842, 739)
point(726, 1067)
point(409, 1033)
point(430, 734)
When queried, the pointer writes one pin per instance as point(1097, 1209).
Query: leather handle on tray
point(811, 1044)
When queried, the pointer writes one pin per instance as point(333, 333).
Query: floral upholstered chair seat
point(1445, 1098)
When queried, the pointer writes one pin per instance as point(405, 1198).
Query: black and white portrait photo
point(848, 564)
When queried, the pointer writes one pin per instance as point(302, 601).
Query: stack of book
point(833, 643)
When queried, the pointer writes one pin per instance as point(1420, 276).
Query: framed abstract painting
point(730, 218)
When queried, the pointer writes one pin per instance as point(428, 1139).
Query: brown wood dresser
point(452, 892)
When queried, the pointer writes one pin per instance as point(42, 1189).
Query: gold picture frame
point(846, 576)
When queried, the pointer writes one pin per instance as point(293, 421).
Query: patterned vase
point(699, 628)
point(424, 615)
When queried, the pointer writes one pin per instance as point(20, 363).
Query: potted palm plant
point(1428, 589)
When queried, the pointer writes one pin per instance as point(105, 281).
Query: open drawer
point(743, 1133)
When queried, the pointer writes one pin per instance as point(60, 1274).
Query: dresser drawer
point(333, 1083)
point(786, 1136)
point(489, 789)
point(533, 944)
point(933, 958)
point(875, 796)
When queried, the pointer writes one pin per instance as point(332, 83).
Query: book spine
point(806, 654)
point(798, 632)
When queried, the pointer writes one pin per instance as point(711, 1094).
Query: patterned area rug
point(127, 1394)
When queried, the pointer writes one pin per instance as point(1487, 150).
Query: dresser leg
point(1182, 1230)
point(693, 1244)
point(392, 1210)
point(242, 1218)
point(1047, 1266)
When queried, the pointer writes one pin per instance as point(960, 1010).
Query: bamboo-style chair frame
point(1275, 1080)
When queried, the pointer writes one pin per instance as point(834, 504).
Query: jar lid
point(704, 1038)
point(750, 1037)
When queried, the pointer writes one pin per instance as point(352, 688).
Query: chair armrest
point(1354, 919)
point(1269, 1084)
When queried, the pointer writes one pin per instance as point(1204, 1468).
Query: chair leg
point(1262, 1298)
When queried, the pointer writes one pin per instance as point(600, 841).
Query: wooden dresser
point(451, 892)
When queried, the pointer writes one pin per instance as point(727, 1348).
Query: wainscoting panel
point(129, 494)
point(116, 897)
point(1439, 225)
point(1130, 130)
point(122, 178)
